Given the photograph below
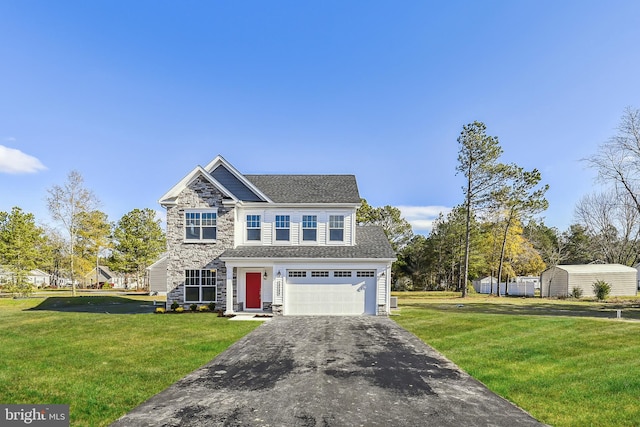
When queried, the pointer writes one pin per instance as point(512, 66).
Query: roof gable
point(234, 181)
point(170, 196)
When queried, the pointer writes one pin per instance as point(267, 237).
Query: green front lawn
point(555, 359)
point(102, 364)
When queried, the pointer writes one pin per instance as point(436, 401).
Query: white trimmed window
point(253, 227)
point(200, 225)
point(336, 227)
point(283, 227)
point(309, 227)
point(199, 285)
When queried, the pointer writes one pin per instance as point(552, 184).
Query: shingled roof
point(307, 188)
point(372, 243)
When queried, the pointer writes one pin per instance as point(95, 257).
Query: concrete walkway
point(328, 371)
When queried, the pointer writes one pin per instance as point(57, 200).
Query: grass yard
point(560, 360)
point(65, 350)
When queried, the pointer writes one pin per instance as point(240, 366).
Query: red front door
point(254, 284)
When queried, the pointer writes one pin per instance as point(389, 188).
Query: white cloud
point(15, 161)
point(421, 217)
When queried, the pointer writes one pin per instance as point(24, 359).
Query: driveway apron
point(328, 371)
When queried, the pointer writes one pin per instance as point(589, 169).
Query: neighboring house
point(157, 276)
point(560, 280)
point(288, 244)
point(36, 277)
point(105, 275)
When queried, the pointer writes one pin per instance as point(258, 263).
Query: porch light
point(279, 274)
point(382, 275)
point(264, 276)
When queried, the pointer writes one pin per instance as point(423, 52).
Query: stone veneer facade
point(182, 256)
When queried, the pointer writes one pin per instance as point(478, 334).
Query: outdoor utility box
point(394, 302)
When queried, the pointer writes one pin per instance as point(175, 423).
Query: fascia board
point(188, 179)
point(219, 160)
point(308, 260)
point(325, 206)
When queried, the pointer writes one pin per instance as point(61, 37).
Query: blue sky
point(135, 94)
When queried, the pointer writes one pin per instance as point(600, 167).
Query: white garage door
point(330, 296)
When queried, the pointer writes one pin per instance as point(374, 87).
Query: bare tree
point(618, 160)
point(613, 224)
point(66, 205)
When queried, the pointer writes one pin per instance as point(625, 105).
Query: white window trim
point(184, 225)
point(200, 286)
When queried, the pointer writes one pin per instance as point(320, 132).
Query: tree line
point(83, 240)
point(496, 229)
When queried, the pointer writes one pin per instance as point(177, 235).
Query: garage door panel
point(328, 298)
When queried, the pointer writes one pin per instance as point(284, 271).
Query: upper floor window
point(336, 227)
point(283, 225)
point(309, 227)
point(199, 285)
point(253, 227)
point(200, 225)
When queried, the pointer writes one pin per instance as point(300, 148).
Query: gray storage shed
point(560, 280)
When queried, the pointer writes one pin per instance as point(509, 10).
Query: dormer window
point(253, 227)
point(336, 227)
point(200, 225)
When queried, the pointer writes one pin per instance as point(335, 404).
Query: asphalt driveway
point(328, 371)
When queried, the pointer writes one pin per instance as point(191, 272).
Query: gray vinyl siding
point(234, 185)
point(158, 276)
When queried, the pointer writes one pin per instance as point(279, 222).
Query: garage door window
point(341, 274)
point(295, 273)
point(319, 274)
point(368, 273)
point(199, 285)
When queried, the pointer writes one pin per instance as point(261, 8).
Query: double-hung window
point(253, 227)
point(200, 225)
point(336, 227)
point(199, 285)
point(283, 225)
point(309, 227)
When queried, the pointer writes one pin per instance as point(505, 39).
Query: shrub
point(107, 285)
point(193, 307)
point(576, 293)
point(212, 306)
point(601, 289)
point(203, 308)
point(174, 305)
point(159, 310)
point(179, 310)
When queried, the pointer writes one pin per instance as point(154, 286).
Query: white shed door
point(321, 297)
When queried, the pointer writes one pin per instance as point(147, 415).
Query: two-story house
point(287, 244)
